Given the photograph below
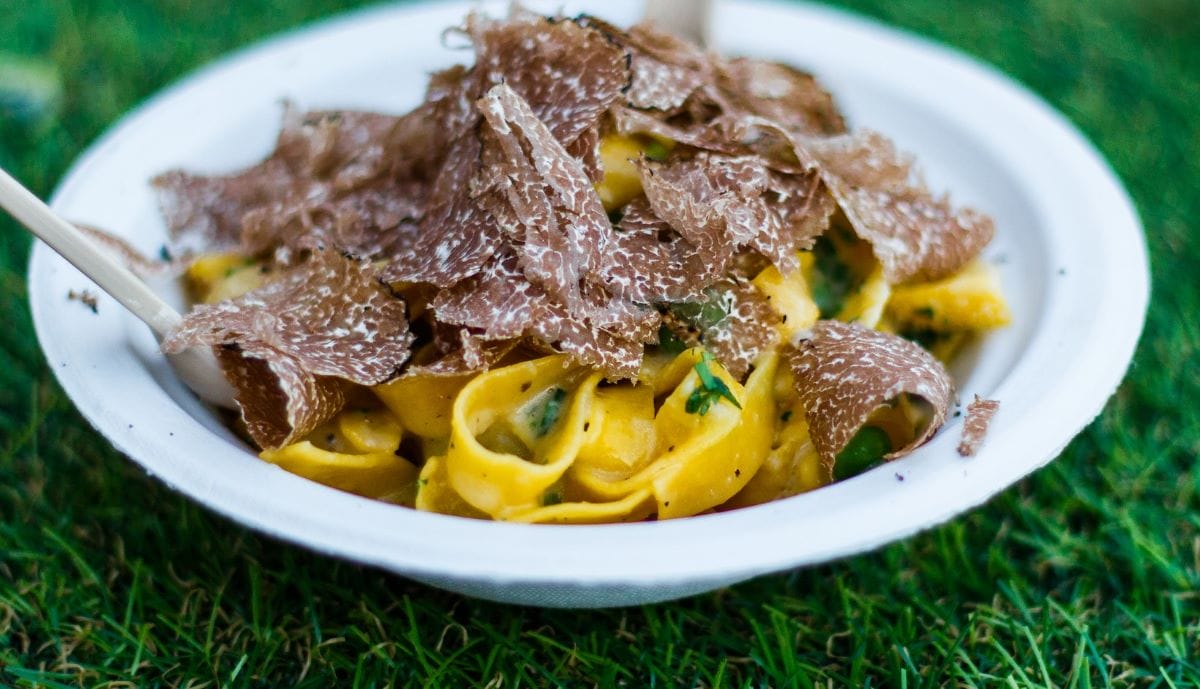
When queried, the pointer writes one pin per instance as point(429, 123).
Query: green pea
point(864, 451)
point(655, 150)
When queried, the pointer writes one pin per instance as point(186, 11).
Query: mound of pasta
point(600, 275)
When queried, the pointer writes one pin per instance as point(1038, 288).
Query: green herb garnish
point(668, 342)
point(545, 418)
point(864, 451)
point(832, 281)
point(928, 339)
point(553, 496)
point(710, 390)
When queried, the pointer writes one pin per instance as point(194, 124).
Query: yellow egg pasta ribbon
point(423, 403)
point(969, 300)
point(701, 460)
point(434, 493)
point(505, 407)
point(792, 467)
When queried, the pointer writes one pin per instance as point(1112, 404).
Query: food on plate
point(601, 275)
point(975, 426)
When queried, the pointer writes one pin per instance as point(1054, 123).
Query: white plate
point(1069, 243)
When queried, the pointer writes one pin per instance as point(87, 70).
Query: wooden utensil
point(196, 367)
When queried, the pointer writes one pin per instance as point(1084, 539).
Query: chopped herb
point(928, 339)
point(925, 311)
point(832, 280)
point(422, 482)
point(553, 496)
point(164, 253)
point(864, 451)
point(668, 342)
point(545, 418)
point(786, 416)
point(710, 390)
point(655, 150)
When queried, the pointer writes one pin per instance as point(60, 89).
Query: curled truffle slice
point(914, 235)
point(279, 400)
point(844, 372)
point(975, 426)
point(330, 314)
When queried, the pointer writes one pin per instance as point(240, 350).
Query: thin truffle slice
point(330, 314)
point(721, 203)
point(328, 182)
point(279, 400)
point(844, 372)
point(789, 96)
point(568, 72)
point(651, 262)
point(914, 235)
point(748, 329)
point(504, 305)
point(205, 213)
point(542, 197)
point(456, 235)
point(457, 351)
point(975, 426)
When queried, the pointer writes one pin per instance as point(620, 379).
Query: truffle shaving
point(329, 314)
point(543, 199)
point(280, 401)
point(507, 306)
point(722, 203)
point(975, 426)
point(652, 263)
point(844, 372)
point(791, 97)
point(748, 329)
point(914, 235)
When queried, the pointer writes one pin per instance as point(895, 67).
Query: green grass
point(1085, 575)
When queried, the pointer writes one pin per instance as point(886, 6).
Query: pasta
point(659, 291)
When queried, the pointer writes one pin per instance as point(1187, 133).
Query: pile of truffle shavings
point(472, 225)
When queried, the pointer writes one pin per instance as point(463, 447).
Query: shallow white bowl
point(1069, 245)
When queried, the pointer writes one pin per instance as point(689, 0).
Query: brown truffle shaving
point(280, 401)
point(722, 203)
point(329, 314)
point(844, 372)
point(791, 97)
point(749, 329)
point(652, 263)
point(914, 235)
point(975, 426)
point(542, 199)
point(299, 192)
point(509, 306)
